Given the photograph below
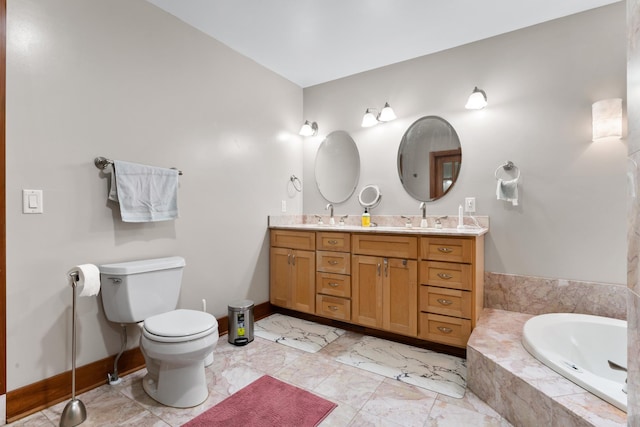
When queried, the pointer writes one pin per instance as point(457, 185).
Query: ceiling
point(315, 41)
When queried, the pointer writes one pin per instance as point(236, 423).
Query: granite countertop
point(387, 224)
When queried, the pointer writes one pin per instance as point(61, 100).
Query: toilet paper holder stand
point(74, 412)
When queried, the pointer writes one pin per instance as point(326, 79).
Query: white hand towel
point(508, 191)
point(113, 188)
point(146, 193)
point(88, 283)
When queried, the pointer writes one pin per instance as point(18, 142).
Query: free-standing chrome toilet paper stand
point(74, 413)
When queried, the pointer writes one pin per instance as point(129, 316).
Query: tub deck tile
point(520, 388)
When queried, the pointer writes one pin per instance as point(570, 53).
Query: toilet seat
point(179, 326)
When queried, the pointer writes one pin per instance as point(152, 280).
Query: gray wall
point(125, 80)
point(540, 83)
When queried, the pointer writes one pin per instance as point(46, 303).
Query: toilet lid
point(180, 323)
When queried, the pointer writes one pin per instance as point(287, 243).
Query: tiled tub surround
point(537, 295)
point(520, 388)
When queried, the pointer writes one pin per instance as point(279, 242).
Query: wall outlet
point(470, 204)
point(284, 206)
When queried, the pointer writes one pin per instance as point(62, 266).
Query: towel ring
point(297, 184)
point(508, 166)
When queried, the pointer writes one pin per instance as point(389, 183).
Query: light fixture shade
point(387, 114)
point(607, 119)
point(309, 129)
point(369, 119)
point(477, 100)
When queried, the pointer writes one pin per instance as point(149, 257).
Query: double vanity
point(417, 282)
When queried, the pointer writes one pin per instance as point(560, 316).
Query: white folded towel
point(145, 193)
point(508, 191)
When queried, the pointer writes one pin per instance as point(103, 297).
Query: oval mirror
point(370, 196)
point(429, 158)
point(337, 167)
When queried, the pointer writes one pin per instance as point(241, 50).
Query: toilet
point(175, 343)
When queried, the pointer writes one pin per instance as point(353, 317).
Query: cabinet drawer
point(448, 249)
point(333, 262)
point(385, 246)
point(446, 275)
point(338, 285)
point(305, 240)
point(336, 308)
point(450, 302)
point(339, 242)
point(444, 329)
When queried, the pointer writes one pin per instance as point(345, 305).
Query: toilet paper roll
point(88, 283)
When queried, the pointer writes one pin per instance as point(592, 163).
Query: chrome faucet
point(423, 222)
point(332, 220)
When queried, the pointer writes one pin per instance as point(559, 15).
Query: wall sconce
point(371, 119)
point(309, 129)
point(477, 100)
point(607, 119)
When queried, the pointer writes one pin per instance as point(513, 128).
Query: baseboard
point(37, 396)
point(50, 391)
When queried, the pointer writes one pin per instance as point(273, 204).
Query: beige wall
point(125, 80)
point(540, 82)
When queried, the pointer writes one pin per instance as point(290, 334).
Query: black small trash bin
point(241, 322)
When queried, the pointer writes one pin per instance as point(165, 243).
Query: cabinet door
point(280, 277)
point(366, 290)
point(303, 281)
point(400, 296)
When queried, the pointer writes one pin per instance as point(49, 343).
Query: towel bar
point(103, 162)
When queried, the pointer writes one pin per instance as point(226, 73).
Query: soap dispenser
point(366, 218)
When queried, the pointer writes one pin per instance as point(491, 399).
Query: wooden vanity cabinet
point(423, 286)
point(451, 288)
point(384, 289)
point(333, 275)
point(292, 270)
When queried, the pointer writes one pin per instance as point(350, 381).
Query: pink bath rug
point(266, 402)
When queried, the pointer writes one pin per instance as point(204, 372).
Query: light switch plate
point(32, 201)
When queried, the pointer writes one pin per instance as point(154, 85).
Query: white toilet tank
point(132, 291)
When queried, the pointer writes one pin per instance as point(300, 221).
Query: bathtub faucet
point(616, 367)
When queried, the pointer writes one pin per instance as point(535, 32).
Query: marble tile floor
point(363, 398)
point(297, 333)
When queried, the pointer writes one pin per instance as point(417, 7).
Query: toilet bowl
point(175, 345)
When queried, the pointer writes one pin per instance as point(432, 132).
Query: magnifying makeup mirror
point(370, 196)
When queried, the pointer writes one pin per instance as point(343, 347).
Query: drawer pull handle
point(445, 330)
point(444, 276)
point(445, 250)
point(444, 301)
point(332, 242)
point(333, 285)
point(333, 307)
point(333, 262)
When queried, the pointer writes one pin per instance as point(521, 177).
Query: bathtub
point(578, 347)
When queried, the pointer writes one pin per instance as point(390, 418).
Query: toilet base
point(178, 386)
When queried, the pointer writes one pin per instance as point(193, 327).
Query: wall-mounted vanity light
point(371, 119)
point(607, 119)
point(477, 100)
point(309, 129)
